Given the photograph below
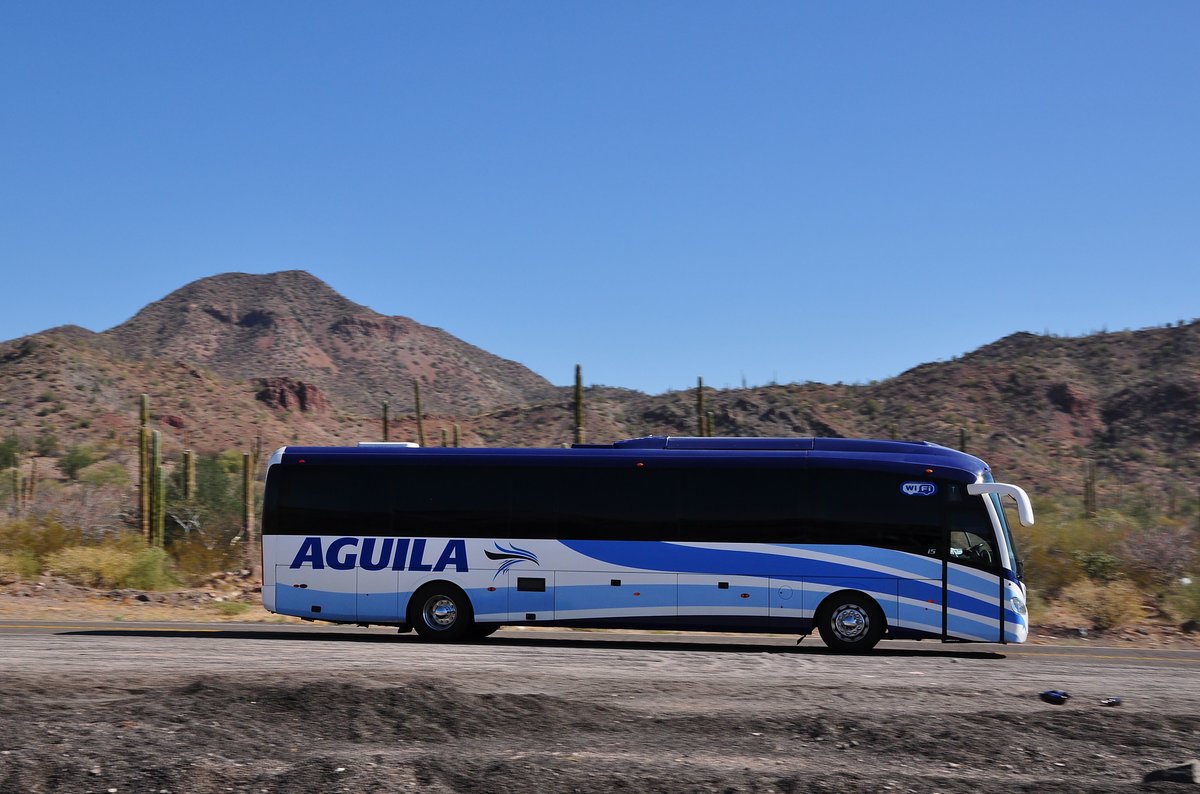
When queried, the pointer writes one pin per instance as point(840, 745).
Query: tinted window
point(735, 504)
point(742, 504)
point(458, 501)
point(533, 501)
point(627, 502)
point(857, 507)
point(331, 500)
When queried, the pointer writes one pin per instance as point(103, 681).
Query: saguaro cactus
point(457, 435)
point(189, 475)
point(31, 484)
point(385, 422)
point(253, 560)
point(157, 489)
point(160, 506)
point(700, 412)
point(17, 489)
point(579, 431)
point(420, 419)
point(1089, 489)
point(144, 467)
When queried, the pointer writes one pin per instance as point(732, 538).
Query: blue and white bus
point(857, 539)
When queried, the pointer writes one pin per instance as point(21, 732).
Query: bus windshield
point(1004, 529)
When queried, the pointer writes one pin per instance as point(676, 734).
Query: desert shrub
point(118, 564)
point(10, 451)
point(1107, 605)
point(196, 559)
point(76, 460)
point(1183, 600)
point(201, 531)
point(19, 565)
point(38, 537)
point(1060, 550)
point(151, 570)
point(92, 566)
point(230, 461)
point(105, 474)
point(1099, 566)
point(1158, 557)
point(46, 444)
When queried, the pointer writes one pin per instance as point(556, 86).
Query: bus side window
point(624, 502)
point(749, 504)
point(871, 509)
point(972, 539)
point(463, 501)
point(332, 500)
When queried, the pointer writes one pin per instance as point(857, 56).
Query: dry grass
point(1106, 605)
point(113, 566)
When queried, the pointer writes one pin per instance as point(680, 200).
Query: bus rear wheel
point(850, 622)
point(441, 612)
point(481, 630)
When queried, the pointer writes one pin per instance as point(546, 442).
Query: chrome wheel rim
point(440, 612)
point(850, 622)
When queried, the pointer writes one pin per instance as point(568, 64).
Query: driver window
point(972, 540)
point(971, 549)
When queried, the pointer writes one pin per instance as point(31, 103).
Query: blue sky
point(766, 191)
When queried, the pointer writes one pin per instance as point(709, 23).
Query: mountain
point(236, 360)
point(292, 325)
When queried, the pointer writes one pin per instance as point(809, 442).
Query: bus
point(856, 539)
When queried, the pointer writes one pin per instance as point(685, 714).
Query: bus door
point(971, 578)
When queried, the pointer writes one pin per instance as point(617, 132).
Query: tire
point(481, 630)
point(850, 622)
point(441, 612)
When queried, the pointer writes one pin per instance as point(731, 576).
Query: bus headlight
point(1018, 604)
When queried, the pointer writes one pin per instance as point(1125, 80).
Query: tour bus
point(858, 539)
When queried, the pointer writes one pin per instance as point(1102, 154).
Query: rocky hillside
point(291, 325)
point(234, 358)
point(1035, 407)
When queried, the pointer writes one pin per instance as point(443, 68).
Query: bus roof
point(916, 457)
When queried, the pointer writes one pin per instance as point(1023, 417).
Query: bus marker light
point(491, 589)
point(640, 464)
point(929, 471)
point(745, 595)
point(637, 594)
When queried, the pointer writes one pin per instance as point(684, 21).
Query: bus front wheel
point(850, 622)
point(441, 612)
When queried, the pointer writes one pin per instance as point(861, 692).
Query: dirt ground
point(511, 715)
point(285, 708)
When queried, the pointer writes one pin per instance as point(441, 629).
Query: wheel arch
point(830, 599)
point(433, 581)
point(441, 611)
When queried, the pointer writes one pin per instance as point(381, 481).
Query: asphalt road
point(206, 647)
